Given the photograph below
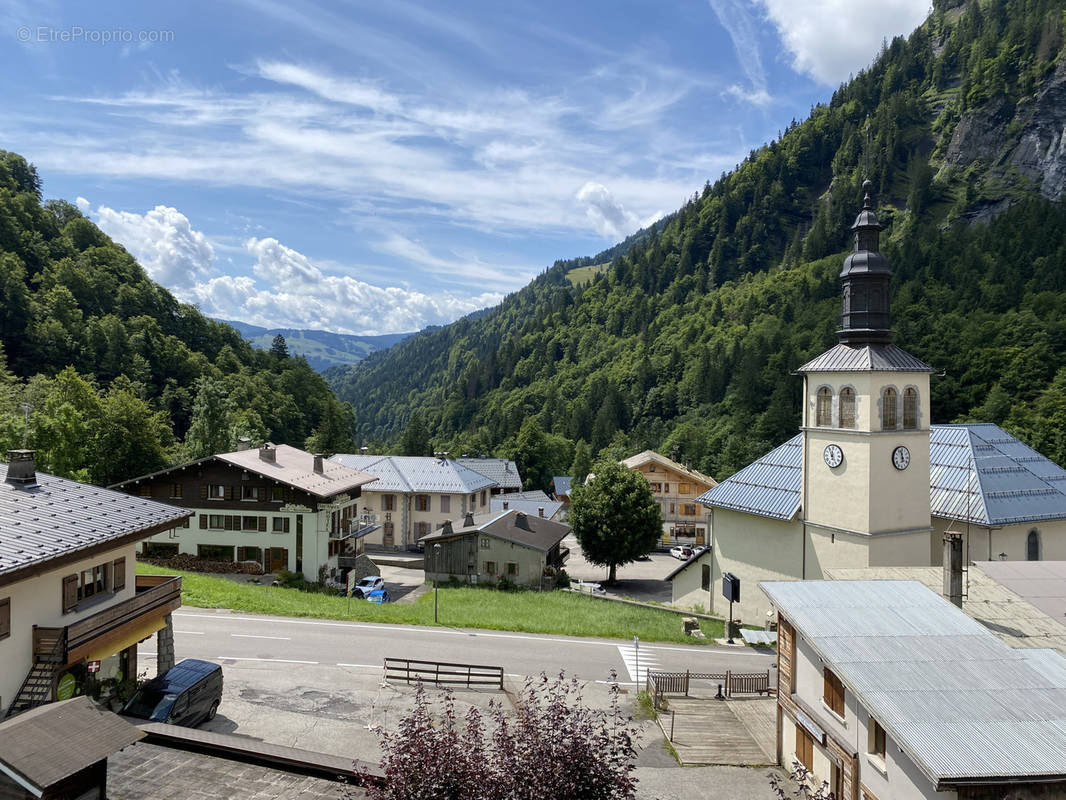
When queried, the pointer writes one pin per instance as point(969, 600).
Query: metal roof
point(962, 704)
point(1041, 583)
point(769, 487)
point(561, 484)
point(296, 468)
point(982, 474)
point(977, 472)
point(527, 530)
point(508, 502)
point(417, 474)
point(865, 358)
point(57, 517)
point(501, 470)
point(640, 459)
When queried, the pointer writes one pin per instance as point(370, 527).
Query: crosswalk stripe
point(638, 661)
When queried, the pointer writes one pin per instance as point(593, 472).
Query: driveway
point(640, 580)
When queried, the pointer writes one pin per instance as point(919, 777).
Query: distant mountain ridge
point(322, 349)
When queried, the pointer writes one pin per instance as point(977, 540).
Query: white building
point(888, 692)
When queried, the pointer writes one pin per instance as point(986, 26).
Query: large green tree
point(211, 429)
point(614, 516)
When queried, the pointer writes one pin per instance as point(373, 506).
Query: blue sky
point(378, 167)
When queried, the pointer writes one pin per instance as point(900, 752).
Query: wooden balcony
point(156, 596)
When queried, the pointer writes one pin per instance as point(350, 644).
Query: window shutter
point(70, 593)
point(203, 491)
point(229, 522)
point(5, 618)
point(203, 521)
point(229, 492)
point(119, 572)
point(262, 523)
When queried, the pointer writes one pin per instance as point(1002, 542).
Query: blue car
point(378, 596)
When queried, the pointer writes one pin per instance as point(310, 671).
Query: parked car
point(367, 585)
point(186, 694)
point(378, 596)
point(588, 586)
point(700, 549)
point(684, 553)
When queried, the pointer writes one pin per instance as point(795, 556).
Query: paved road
point(220, 635)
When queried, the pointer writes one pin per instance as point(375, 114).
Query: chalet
point(414, 495)
point(277, 506)
point(676, 489)
point(501, 470)
point(534, 502)
point(888, 691)
point(487, 547)
point(72, 609)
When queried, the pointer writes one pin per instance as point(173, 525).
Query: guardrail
point(442, 673)
point(659, 684)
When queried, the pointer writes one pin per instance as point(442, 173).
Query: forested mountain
point(107, 375)
point(686, 342)
point(322, 349)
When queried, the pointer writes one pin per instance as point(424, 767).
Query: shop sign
point(93, 667)
point(66, 686)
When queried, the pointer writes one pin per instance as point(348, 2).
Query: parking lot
point(640, 580)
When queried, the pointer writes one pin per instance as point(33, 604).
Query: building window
point(160, 549)
point(249, 554)
point(888, 410)
point(421, 502)
point(485, 543)
point(93, 581)
point(490, 567)
point(483, 496)
point(445, 503)
point(684, 488)
point(5, 617)
point(804, 748)
point(421, 529)
point(847, 407)
point(388, 502)
point(277, 494)
point(146, 490)
point(877, 739)
point(910, 409)
point(657, 488)
point(216, 491)
point(688, 509)
point(280, 525)
point(216, 552)
point(824, 408)
point(512, 568)
point(833, 693)
point(1032, 546)
point(175, 490)
point(250, 492)
point(215, 521)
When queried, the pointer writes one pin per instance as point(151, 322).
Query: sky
point(376, 167)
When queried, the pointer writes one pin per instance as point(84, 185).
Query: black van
point(186, 694)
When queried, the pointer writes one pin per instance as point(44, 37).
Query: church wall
point(834, 550)
point(901, 550)
point(1009, 539)
point(754, 549)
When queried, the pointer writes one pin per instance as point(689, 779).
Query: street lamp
point(436, 576)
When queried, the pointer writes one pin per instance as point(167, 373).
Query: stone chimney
point(21, 471)
point(244, 443)
point(267, 452)
point(318, 463)
point(364, 450)
point(446, 528)
point(540, 511)
point(520, 521)
point(468, 522)
point(953, 568)
point(506, 505)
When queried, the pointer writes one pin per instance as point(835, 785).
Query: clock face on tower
point(901, 458)
point(833, 455)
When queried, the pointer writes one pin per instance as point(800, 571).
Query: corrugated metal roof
point(532, 494)
point(296, 468)
point(508, 502)
point(561, 484)
point(500, 470)
point(865, 358)
point(961, 703)
point(60, 516)
point(417, 474)
point(528, 530)
point(1008, 481)
point(770, 487)
point(981, 474)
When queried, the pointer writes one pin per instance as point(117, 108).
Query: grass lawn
point(469, 607)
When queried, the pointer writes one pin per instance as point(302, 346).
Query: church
point(869, 481)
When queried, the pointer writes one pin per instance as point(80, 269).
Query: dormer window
point(847, 407)
point(824, 408)
point(910, 409)
point(888, 409)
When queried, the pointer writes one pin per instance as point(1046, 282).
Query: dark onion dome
point(865, 277)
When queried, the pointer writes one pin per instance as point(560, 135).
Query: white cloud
point(282, 265)
point(606, 214)
point(162, 240)
point(736, 17)
point(831, 39)
point(757, 97)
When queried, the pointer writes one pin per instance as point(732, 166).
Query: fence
point(442, 673)
point(662, 683)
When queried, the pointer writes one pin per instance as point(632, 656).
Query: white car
point(368, 584)
point(589, 586)
point(684, 553)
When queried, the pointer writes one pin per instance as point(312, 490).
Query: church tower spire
point(865, 277)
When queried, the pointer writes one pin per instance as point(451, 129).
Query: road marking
point(190, 633)
point(362, 666)
point(638, 661)
point(704, 649)
point(277, 660)
point(254, 636)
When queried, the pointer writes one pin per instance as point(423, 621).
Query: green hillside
point(107, 375)
point(686, 342)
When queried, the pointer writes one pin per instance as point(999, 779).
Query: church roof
point(1008, 481)
point(865, 358)
point(769, 487)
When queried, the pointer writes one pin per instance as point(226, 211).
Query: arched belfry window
point(888, 409)
point(824, 407)
point(1032, 546)
point(847, 407)
point(910, 409)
